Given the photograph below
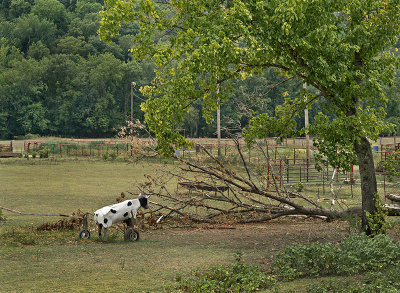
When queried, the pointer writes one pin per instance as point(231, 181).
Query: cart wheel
point(131, 234)
point(84, 234)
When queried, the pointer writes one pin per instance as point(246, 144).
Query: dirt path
point(274, 234)
point(256, 239)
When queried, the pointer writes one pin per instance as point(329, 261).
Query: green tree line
point(58, 78)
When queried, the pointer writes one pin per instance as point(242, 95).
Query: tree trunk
point(368, 180)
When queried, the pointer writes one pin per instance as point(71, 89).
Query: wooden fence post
point(294, 156)
point(287, 170)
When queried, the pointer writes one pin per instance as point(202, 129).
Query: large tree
point(339, 47)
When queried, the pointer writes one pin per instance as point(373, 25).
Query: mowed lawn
point(58, 261)
point(57, 185)
point(32, 261)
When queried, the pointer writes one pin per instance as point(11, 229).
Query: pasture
point(58, 261)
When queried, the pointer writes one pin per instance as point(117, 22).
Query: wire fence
point(91, 149)
point(6, 147)
point(226, 151)
point(288, 164)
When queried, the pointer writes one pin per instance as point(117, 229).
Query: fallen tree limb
point(393, 197)
point(218, 193)
point(393, 210)
point(38, 214)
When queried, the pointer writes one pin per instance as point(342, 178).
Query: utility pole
point(133, 84)
point(306, 123)
point(219, 127)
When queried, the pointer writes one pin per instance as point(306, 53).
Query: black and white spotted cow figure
point(121, 212)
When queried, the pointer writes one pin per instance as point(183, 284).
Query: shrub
point(299, 187)
point(110, 156)
point(236, 277)
point(387, 281)
point(113, 156)
point(106, 156)
point(336, 287)
point(355, 254)
point(378, 222)
point(44, 152)
point(360, 253)
point(300, 260)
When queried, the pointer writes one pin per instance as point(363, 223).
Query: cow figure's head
point(143, 201)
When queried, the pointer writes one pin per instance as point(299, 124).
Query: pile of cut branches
point(72, 223)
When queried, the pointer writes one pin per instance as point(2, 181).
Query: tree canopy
point(340, 48)
point(335, 46)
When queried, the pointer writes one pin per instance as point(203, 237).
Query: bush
point(300, 260)
point(106, 156)
point(113, 156)
point(378, 222)
point(387, 281)
point(336, 287)
point(236, 277)
point(110, 156)
point(355, 254)
point(360, 253)
point(44, 152)
point(299, 187)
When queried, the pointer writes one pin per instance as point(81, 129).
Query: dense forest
point(58, 78)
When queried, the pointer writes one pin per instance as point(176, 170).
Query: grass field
point(58, 261)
